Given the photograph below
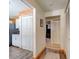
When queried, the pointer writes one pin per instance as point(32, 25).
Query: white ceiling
point(15, 6)
point(49, 5)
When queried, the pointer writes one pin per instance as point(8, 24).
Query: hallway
point(34, 19)
point(53, 51)
point(49, 55)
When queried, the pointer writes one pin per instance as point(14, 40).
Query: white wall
point(55, 31)
point(54, 12)
point(39, 41)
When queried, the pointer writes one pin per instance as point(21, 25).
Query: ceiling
point(49, 5)
point(16, 6)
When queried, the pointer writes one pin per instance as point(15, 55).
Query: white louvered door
point(27, 32)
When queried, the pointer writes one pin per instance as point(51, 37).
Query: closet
point(25, 38)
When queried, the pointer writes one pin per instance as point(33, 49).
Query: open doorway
point(53, 31)
point(21, 28)
point(48, 30)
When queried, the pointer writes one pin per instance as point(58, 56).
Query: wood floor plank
point(18, 53)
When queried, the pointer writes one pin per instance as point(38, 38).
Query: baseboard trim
point(40, 53)
point(62, 52)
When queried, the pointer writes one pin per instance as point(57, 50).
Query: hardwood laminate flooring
point(52, 52)
point(18, 53)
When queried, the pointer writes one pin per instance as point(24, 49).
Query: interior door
point(27, 32)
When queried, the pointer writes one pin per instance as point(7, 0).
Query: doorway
point(23, 17)
point(53, 30)
point(48, 31)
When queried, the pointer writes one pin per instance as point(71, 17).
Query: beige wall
point(55, 31)
point(39, 41)
point(54, 13)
